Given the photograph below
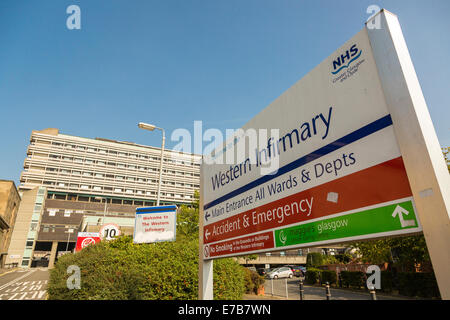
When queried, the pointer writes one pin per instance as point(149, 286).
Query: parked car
point(283, 272)
point(297, 270)
point(263, 271)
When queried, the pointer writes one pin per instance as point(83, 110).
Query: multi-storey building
point(88, 178)
point(9, 204)
point(126, 173)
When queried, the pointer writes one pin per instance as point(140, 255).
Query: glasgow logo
point(350, 56)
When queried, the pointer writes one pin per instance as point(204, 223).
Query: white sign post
point(347, 153)
point(155, 224)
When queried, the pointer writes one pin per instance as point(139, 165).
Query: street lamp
point(151, 127)
point(106, 203)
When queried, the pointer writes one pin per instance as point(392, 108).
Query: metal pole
point(160, 166)
point(104, 211)
point(272, 286)
point(285, 282)
point(373, 294)
point(68, 237)
point(302, 291)
point(327, 291)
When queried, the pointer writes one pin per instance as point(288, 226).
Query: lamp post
point(104, 211)
point(151, 127)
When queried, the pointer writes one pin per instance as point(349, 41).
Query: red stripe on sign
point(381, 183)
point(262, 241)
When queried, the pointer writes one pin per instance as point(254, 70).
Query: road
point(30, 284)
point(314, 293)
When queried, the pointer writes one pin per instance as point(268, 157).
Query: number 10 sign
point(109, 231)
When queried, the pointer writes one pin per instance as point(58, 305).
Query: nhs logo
point(345, 59)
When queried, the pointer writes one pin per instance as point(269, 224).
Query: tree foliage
point(123, 270)
point(404, 253)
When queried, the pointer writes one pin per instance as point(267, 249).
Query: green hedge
point(121, 270)
point(411, 284)
point(312, 275)
point(354, 279)
point(328, 276)
point(414, 284)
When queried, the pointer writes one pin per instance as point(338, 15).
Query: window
point(29, 243)
point(67, 213)
point(52, 212)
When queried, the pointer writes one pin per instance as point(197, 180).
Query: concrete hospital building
point(71, 184)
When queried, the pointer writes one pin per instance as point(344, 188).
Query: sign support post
point(427, 173)
point(205, 268)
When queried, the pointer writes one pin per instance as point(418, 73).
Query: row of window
point(86, 187)
point(117, 153)
point(103, 175)
point(118, 165)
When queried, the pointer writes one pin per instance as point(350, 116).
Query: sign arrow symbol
point(207, 215)
point(207, 233)
point(399, 211)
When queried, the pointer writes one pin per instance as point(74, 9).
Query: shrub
point(413, 284)
point(122, 270)
point(314, 260)
point(354, 279)
point(252, 281)
point(328, 276)
point(387, 282)
point(312, 275)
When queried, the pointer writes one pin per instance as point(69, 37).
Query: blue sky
point(173, 62)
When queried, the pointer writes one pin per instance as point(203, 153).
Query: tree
point(404, 253)
point(187, 219)
point(446, 152)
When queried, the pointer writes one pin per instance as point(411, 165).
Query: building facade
point(96, 181)
point(26, 228)
point(9, 205)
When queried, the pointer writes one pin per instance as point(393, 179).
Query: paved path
point(24, 284)
point(315, 293)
